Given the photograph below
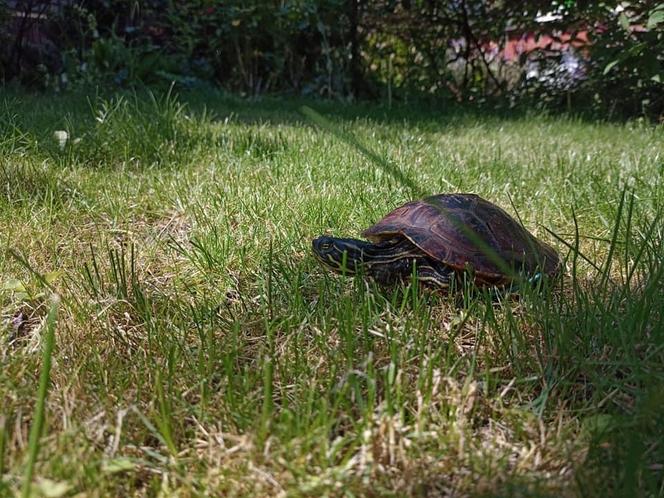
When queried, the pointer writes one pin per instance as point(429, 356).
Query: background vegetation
point(392, 50)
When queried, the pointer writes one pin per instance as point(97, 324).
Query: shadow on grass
point(447, 116)
point(34, 183)
point(124, 129)
point(144, 120)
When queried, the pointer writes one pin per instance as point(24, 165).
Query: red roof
point(531, 42)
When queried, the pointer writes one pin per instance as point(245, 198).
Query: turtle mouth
point(337, 266)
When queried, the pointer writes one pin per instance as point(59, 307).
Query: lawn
point(200, 350)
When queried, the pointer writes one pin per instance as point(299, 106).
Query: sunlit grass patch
point(201, 349)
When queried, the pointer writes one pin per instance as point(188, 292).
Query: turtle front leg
point(434, 274)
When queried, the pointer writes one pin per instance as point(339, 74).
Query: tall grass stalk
point(40, 406)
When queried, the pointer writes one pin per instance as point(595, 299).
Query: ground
point(200, 350)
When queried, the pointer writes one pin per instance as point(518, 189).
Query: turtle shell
point(439, 226)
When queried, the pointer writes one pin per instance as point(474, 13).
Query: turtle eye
point(326, 246)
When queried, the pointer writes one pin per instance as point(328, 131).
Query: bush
point(339, 48)
point(627, 69)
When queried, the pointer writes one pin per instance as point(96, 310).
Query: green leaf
point(52, 276)
point(657, 78)
point(22, 296)
point(14, 285)
point(610, 66)
point(624, 21)
point(656, 17)
point(116, 465)
point(51, 489)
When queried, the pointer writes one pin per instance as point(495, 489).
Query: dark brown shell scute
point(439, 226)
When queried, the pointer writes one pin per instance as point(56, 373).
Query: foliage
point(27, 48)
point(628, 61)
point(260, 46)
point(604, 57)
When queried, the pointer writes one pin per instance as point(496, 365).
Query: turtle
point(440, 239)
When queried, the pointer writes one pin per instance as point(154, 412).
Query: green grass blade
point(44, 379)
point(606, 272)
point(3, 445)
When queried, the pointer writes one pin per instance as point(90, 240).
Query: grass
point(38, 423)
point(201, 351)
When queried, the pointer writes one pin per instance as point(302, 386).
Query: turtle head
point(340, 255)
point(380, 260)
